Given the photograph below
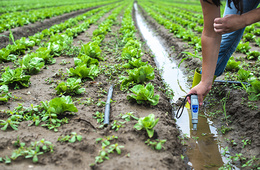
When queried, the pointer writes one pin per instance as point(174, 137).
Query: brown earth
point(135, 154)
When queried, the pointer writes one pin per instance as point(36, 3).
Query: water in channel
point(202, 148)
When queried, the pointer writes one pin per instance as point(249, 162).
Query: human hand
point(201, 90)
point(229, 23)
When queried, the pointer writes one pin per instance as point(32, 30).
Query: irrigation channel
point(203, 147)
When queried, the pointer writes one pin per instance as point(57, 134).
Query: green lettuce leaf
point(83, 71)
point(61, 105)
point(144, 94)
point(147, 123)
point(72, 86)
point(14, 77)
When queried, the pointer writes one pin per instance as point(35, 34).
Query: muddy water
point(203, 150)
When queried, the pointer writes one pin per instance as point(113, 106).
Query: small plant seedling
point(117, 124)
point(156, 145)
point(246, 142)
point(11, 121)
point(99, 116)
point(127, 116)
point(105, 141)
point(101, 103)
point(37, 148)
point(70, 138)
point(147, 123)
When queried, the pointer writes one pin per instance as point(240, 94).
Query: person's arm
point(231, 23)
point(210, 42)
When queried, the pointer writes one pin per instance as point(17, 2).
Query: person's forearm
point(251, 16)
point(210, 50)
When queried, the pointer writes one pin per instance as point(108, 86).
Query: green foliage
point(4, 95)
point(12, 122)
point(248, 37)
point(138, 75)
point(5, 55)
point(243, 47)
point(134, 63)
point(54, 108)
point(45, 54)
point(60, 105)
point(58, 44)
point(243, 75)
point(132, 49)
point(72, 86)
point(232, 65)
point(70, 138)
point(92, 50)
point(253, 55)
point(107, 148)
point(31, 64)
point(254, 90)
point(156, 145)
point(33, 151)
point(144, 94)
point(127, 116)
point(83, 71)
point(116, 125)
point(99, 116)
point(85, 59)
point(14, 78)
point(147, 123)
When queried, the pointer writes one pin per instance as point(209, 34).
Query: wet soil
point(135, 154)
point(243, 115)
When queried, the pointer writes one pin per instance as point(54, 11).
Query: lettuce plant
point(31, 64)
point(92, 50)
point(253, 55)
point(137, 75)
point(60, 105)
point(72, 86)
point(4, 95)
point(243, 47)
point(83, 71)
point(14, 77)
point(144, 94)
point(232, 65)
point(132, 49)
point(85, 59)
point(5, 55)
point(45, 54)
point(147, 123)
point(254, 90)
point(134, 63)
point(243, 75)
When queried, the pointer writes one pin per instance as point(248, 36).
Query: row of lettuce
point(188, 26)
point(51, 113)
point(12, 6)
point(18, 19)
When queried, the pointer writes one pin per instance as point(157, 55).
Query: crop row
point(12, 6)
point(177, 29)
point(19, 46)
point(16, 19)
